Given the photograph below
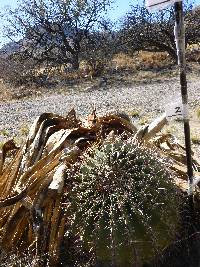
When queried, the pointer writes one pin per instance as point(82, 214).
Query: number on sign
point(174, 110)
point(178, 110)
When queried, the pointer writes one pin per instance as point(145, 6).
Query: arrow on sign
point(159, 4)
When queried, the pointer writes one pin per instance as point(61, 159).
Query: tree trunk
point(75, 61)
point(173, 54)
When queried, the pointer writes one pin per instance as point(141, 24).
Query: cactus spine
point(125, 204)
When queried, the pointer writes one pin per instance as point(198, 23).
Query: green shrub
point(125, 204)
point(195, 139)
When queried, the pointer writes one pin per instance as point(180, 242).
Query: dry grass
point(195, 139)
point(1, 144)
point(5, 91)
point(24, 130)
point(134, 113)
point(198, 113)
point(141, 61)
point(122, 61)
point(86, 70)
point(123, 70)
point(149, 60)
point(193, 53)
point(143, 121)
point(4, 132)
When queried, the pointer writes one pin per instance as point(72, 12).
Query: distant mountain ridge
point(47, 37)
point(9, 48)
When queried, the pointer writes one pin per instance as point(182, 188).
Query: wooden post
point(180, 44)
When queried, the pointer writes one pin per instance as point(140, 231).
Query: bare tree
point(101, 45)
point(51, 31)
point(142, 30)
point(192, 19)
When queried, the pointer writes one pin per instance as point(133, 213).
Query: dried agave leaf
point(10, 229)
point(177, 156)
point(91, 119)
point(5, 213)
point(114, 122)
point(8, 146)
point(13, 199)
point(40, 132)
point(36, 147)
point(55, 222)
point(54, 144)
point(57, 183)
point(36, 124)
point(54, 257)
point(71, 120)
point(162, 138)
point(53, 140)
point(155, 127)
point(11, 174)
point(52, 156)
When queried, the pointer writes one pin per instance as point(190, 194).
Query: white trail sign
point(153, 5)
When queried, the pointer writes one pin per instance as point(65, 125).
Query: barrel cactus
point(125, 204)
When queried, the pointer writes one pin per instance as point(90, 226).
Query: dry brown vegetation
point(139, 66)
point(142, 61)
point(34, 188)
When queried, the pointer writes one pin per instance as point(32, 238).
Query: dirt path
point(148, 100)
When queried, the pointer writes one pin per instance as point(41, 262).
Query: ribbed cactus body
point(125, 204)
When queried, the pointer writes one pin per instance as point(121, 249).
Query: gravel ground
point(148, 99)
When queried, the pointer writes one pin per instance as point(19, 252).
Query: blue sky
point(119, 9)
point(122, 4)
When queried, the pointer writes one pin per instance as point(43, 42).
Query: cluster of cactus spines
point(125, 204)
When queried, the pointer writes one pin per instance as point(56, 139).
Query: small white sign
point(153, 5)
point(176, 110)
